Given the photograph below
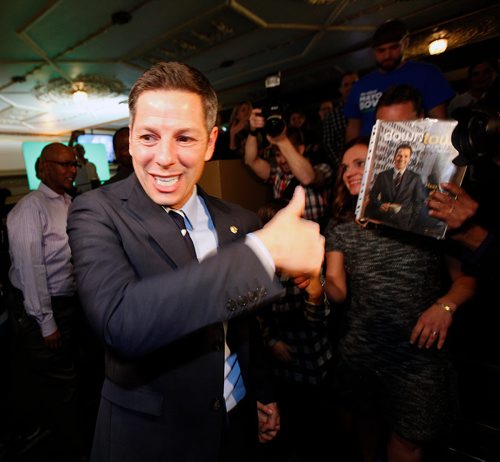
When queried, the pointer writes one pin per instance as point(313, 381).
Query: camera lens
point(275, 125)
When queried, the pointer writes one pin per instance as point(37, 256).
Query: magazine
point(407, 161)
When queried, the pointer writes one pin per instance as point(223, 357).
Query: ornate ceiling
point(50, 49)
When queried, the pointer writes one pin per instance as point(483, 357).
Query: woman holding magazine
point(400, 292)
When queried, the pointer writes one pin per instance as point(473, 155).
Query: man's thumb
point(298, 202)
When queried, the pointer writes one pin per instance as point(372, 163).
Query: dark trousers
point(240, 435)
point(46, 390)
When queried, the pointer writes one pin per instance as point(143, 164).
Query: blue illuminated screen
point(107, 140)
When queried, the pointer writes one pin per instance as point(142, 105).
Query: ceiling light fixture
point(438, 46)
point(79, 95)
point(81, 89)
point(438, 41)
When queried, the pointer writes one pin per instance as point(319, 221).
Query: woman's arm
point(335, 285)
point(433, 323)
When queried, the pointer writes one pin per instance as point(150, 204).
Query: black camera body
point(477, 133)
point(273, 111)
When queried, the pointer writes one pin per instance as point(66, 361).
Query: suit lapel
point(226, 224)
point(155, 221)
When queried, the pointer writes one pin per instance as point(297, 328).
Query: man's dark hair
point(403, 93)
point(79, 149)
point(176, 76)
point(296, 136)
point(390, 31)
point(117, 134)
point(403, 146)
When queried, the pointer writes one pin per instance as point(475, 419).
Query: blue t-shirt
point(366, 92)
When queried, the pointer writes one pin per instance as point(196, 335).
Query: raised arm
point(261, 167)
point(300, 166)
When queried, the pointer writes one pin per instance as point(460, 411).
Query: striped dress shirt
point(40, 254)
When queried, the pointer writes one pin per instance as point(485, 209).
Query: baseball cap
point(392, 30)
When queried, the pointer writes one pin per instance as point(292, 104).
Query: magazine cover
point(407, 161)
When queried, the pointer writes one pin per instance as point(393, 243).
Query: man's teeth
point(167, 181)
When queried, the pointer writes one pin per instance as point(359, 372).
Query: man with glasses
point(389, 43)
point(44, 301)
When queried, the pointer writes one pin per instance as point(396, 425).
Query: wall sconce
point(438, 46)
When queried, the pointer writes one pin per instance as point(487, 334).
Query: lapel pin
point(233, 229)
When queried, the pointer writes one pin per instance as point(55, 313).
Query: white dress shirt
point(40, 254)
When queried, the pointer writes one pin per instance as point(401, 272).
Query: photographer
point(287, 167)
point(470, 211)
point(473, 223)
point(458, 210)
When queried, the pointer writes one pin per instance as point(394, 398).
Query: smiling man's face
point(169, 144)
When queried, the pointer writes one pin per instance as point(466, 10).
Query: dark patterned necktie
point(181, 224)
point(397, 180)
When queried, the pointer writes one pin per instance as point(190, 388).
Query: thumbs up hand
point(294, 243)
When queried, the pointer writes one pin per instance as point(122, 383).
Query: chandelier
point(80, 89)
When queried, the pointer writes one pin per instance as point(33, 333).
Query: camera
point(273, 111)
point(477, 133)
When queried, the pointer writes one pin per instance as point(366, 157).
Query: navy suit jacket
point(410, 195)
point(159, 315)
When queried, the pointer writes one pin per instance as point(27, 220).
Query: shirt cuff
point(48, 326)
point(262, 253)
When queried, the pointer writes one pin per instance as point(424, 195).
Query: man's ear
point(41, 170)
point(212, 138)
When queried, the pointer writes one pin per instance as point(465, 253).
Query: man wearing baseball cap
point(389, 43)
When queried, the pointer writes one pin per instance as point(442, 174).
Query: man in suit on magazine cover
point(169, 276)
point(397, 195)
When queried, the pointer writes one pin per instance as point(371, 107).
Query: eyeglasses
point(66, 164)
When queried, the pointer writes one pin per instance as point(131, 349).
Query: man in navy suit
point(182, 377)
point(397, 195)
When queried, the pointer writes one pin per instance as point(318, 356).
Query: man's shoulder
point(413, 175)
point(419, 66)
point(27, 208)
point(229, 215)
point(105, 194)
point(418, 72)
point(388, 172)
point(30, 200)
point(229, 208)
point(368, 80)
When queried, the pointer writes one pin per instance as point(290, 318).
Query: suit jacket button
point(255, 296)
point(231, 305)
point(242, 301)
point(216, 405)
point(218, 345)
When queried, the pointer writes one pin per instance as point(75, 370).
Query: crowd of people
point(151, 321)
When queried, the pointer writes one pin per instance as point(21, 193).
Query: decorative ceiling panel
point(235, 42)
